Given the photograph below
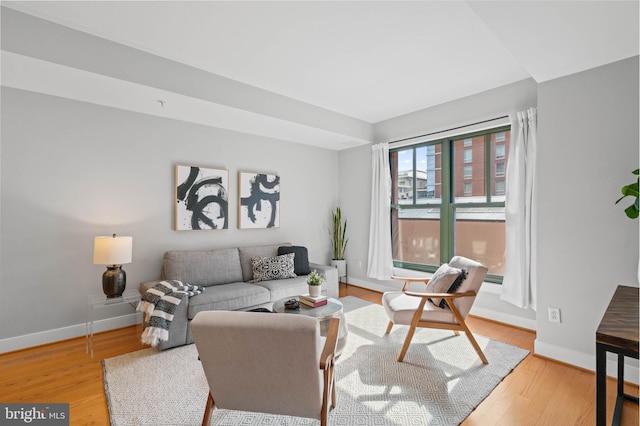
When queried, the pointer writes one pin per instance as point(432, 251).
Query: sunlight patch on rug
point(440, 381)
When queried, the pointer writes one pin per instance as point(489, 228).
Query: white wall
point(355, 180)
point(72, 170)
point(588, 146)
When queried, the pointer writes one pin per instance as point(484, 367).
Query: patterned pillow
point(272, 268)
point(441, 281)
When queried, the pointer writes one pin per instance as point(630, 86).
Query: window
point(500, 151)
point(468, 171)
point(448, 199)
point(468, 155)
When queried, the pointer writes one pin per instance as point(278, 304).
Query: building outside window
point(457, 203)
point(500, 149)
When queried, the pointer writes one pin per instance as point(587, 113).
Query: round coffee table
point(333, 309)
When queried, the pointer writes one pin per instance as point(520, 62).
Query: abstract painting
point(202, 198)
point(259, 200)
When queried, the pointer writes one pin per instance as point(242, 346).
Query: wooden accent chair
point(416, 310)
point(266, 363)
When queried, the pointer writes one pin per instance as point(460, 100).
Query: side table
point(617, 333)
point(100, 301)
point(333, 309)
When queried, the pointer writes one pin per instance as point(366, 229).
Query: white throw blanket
point(158, 304)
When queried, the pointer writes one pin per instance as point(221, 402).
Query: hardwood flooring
point(538, 392)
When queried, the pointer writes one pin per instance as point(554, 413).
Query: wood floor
point(537, 392)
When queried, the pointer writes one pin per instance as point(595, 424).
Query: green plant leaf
point(632, 190)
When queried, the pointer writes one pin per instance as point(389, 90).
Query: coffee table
point(333, 309)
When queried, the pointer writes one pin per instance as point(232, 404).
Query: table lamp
point(113, 252)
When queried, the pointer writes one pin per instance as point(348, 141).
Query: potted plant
point(631, 190)
point(339, 242)
point(314, 280)
point(633, 210)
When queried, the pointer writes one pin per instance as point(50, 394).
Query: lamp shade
point(112, 250)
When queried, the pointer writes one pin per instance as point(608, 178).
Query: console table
point(617, 333)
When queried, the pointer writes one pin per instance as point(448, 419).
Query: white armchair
point(267, 363)
point(415, 309)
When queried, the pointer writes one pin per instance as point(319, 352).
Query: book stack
point(312, 301)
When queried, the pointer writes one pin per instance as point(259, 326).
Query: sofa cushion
point(228, 297)
point(301, 259)
point(203, 267)
point(273, 268)
point(279, 289)
point(246, 253)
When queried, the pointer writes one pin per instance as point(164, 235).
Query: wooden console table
point(617, 333)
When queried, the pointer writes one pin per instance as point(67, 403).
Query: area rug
point(440, 381)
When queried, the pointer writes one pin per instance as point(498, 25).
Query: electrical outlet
point(554, 315)
point(359, 264)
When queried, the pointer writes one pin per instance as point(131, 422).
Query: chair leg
point(206, 419)
point(477, 348)
point(333, 390)
point(407, 342)
point(389, 327)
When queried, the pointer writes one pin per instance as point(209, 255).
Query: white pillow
point(441, 281)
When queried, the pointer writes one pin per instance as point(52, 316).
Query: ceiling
point(367, 60)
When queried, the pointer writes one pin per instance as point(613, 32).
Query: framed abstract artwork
point(202, 198)
point(258, 200)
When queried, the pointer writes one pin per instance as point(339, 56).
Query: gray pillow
point(272, 268)
point(441, 281)
point(300, 260)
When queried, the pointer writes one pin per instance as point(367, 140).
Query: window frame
point(447, 203)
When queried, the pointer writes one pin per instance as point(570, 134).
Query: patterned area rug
point(440, 381)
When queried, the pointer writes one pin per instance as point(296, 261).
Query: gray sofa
point(227, 274)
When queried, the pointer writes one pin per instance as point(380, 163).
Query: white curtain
point(519, 283)
point(380, 262)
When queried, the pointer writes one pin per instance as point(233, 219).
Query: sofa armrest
point(330, 275)
point(146, 285)
point(178, 330)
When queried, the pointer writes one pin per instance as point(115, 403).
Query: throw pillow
point(300, 260)
point(454, 287)
point(272, 268)
point(441, 281)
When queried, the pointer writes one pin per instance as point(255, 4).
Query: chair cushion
point(441, 281)
point(273, 268)
point(300, 260)
point(401, 308)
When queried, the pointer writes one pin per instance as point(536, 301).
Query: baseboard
point(504, 318)
point(586, 361)
point(50, 336)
